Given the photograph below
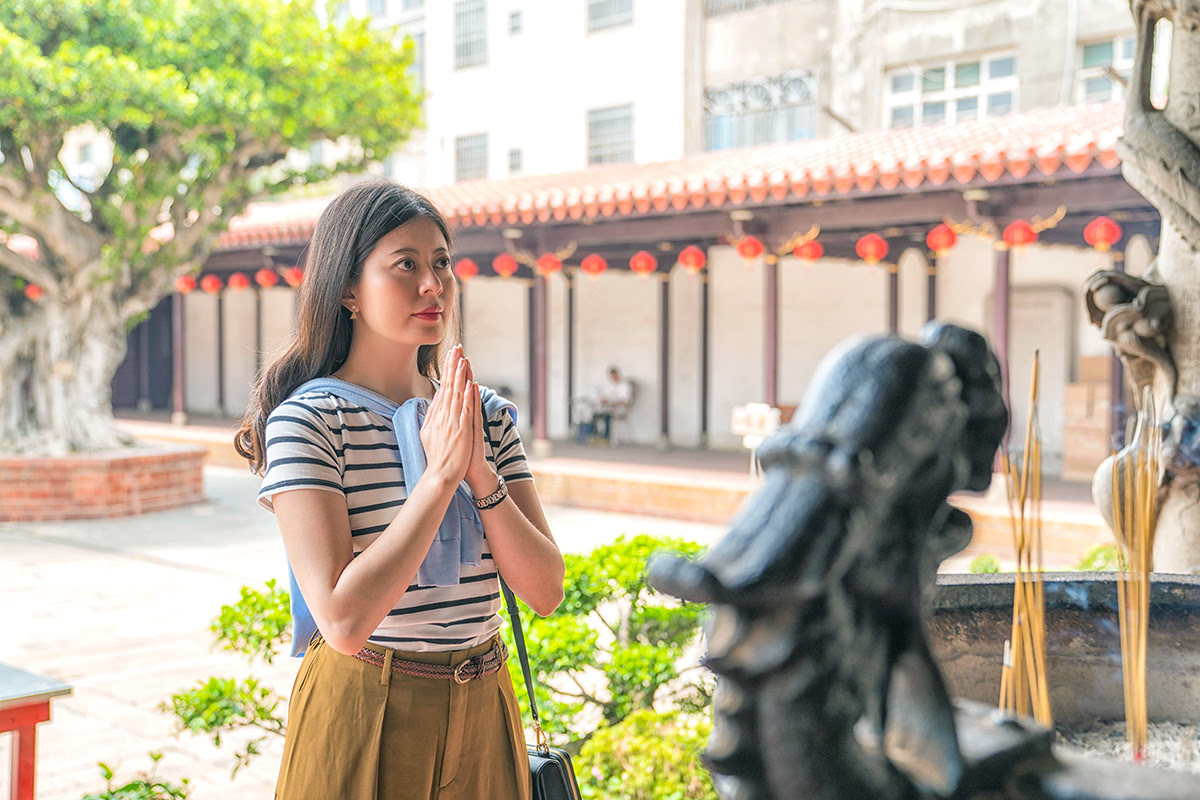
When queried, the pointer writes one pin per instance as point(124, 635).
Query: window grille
point(780, 108)
point(610, 135)
point(470, 157)
point(470, 33)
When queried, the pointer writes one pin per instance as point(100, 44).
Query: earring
point(354, 313)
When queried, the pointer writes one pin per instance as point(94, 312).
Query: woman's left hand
point(481, 478)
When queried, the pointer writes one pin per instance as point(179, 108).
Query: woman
point(403, 691)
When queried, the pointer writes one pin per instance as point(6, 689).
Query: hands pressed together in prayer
point(453, 432)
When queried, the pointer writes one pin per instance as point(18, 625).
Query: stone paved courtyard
point(120, 609)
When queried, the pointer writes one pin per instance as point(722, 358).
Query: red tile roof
point(1048, 140)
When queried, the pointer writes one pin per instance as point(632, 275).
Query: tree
point(201, 100)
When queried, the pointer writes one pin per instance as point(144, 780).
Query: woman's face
point(406, 291)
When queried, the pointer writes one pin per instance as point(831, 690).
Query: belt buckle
point(458, 676)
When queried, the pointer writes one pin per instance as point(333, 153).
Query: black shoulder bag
point(550, 769)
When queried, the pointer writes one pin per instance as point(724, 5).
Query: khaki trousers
point(356, 732)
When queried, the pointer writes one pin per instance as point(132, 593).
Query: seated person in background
point(614, 398)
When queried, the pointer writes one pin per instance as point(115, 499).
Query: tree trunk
point(57, 365)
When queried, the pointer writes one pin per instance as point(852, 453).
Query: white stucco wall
point(914, 292)
point(617, 319)
point(200, 353)
point(735, 341)
point(278, 321)
point(239, 322)
point(817, 310)
point(557, 422)
point(496, 339)
point(685, 341)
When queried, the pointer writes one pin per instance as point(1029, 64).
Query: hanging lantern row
point(1101, 233)
point(265, 277)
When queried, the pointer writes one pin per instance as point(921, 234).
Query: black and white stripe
point(318, 441)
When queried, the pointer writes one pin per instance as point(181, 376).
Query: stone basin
point(972, 616)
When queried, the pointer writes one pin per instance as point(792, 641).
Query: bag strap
point(514, 616)
point(519, 637)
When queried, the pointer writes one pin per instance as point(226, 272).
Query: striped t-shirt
point(320, 441)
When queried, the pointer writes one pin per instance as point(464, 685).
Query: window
point(410, 5)
point(952, 92)
point(377, 8)
point(717, 7)
point(609, 13)
point(470, 33)
point(610, 135)
point(85, 153)
point(514, 161)
point(470, 157)
point(514, 23)
point(781, 108)
point(1102, 66)
point(418, 63)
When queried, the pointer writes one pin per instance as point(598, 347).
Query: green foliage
point(201, 102)
point(221, 705)
point(612, 646)
point(1100, 558)
point(984, 565)
point(146, 786)
point(256, 624)
point(647, 756)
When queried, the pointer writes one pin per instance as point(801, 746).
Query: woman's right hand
point(447, 431)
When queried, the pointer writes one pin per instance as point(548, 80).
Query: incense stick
point(1024, 687)
point(1137, 473)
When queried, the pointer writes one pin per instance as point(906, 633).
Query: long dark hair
point(348, 230)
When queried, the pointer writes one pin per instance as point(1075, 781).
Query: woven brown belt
point(477, 667)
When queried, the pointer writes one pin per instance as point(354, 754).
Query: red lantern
point(809, 251)
point(266, 277)
point(211, 284)
point(1019, 234)
point(293, 276)
point(466, 269)
point(693, 259)
point(185, 283)
point(643, 263)
point(238, 281)
point(34, 292)
point(593, 265)
point(1102, 233)
point(750, 248)
point(941, 239)
point(872, 248)
point(548, 264)
point(505, 265)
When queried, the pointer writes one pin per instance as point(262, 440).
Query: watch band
point(495, 498)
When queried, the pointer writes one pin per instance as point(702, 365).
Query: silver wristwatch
point(493, 499)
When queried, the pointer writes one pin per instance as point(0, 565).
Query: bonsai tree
point(201, 102)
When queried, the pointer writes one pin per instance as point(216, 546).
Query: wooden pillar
point(893, 290)
point(771, 331)
point(1000, 316)
point(931, 292)
point(178, 412)
point(664, 361)
point(221, 352)
point(541, 438)
point(143, 357)
point(570, 317)
point(704, 332)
